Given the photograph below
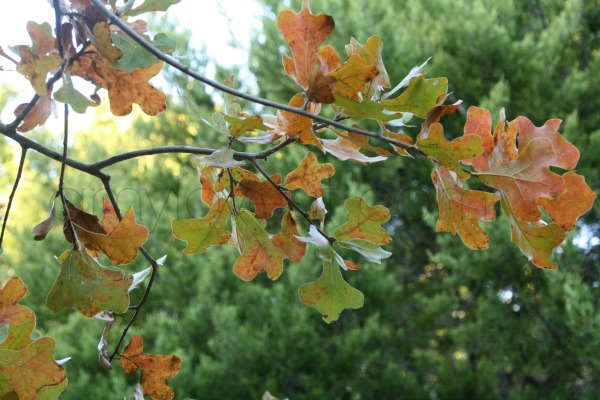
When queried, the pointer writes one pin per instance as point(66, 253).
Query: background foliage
point(440, 321)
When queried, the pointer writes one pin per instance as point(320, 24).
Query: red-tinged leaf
point(304, 32)
point(419, 97)
point(567, 155)
point(351, 265)
point(331, 294)
point(363, 142)
point(38, 115)
point(157, 369)
point(32, 370)
point(239, 126)
point(343, 149)
point(462, 210)
point(200, 234)
point(19, 335)
point(576, 201)
point(479, 122)
point(264, 195)
point(124, 88)
point(85, 285)
point(293, 125)
point(10, 311)
point(239, 175)
point(505, 142)
point(435, 114)
point(365, 109)
point(320, 86)
point(450, 153)
point(259, 251)
point(308, 175)
point(527, 178)
point(352, 76)
point(287, 240)
point(209, 177)
point(399, 137)
point(371, 54)
point(535, 240)
point(364, 222)
point(120, 242)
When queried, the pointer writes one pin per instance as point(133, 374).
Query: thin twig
point(227, 89)
point(231, 191)
point(13, 192)
point(291, 202)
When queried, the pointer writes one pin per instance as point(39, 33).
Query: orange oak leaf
point(259, 251)
point(576, 201)
point(32, 370)
point(120, 242)
point(343, 149)
point(287, 239)
point(157, 369)
point(567, 155)
point(371, 54)
point(264, 195)
point(304, 32)
point(363, 142)
point(200, 234)
point(352, 76)
point(124, 88)
point(364, 222)
point(293, 125)
point(527, 178)
point(10, 311)
point(101, 40)
point(398, 136)
point(436, 113)
point(308, 175)
point(239, 174)
point(435, 145)
point(38, 115)
point(209, 176)
point(320, 86)
point(462, 210)
point(479, 122)
point(536, 240)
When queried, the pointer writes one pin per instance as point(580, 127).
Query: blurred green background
point(440, 321)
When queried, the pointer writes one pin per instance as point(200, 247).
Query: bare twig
point(13, 192)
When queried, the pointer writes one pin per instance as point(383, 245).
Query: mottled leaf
point(450, 153)
point(461, 210)
point(536, 240)
point(308, 175)
point(200, 234)
point(331, 294)
point(364, 222)
point(479, 122)
point(259, 250)
point(576, 201)
point(157, 369)
point(371, 54)
point(264, 195)
point(293, 125)
point(365, 109)
point(287, 239)
point(209, 176)
point(239, 126)
point(10, 311)
point(352, 76)
point(85, 285)
point(419, 97)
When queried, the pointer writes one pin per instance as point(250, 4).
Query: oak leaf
point(419, 97)
point(119, 241)
point(352, 76)
point(331, 294)
point(304, 32)
point(364, 222)
point(209, 176)
point(367, 249)
point(435, 145)
point(293, 125)
point(576, 201)
point(264, 195)
point(343, 149)
point(287, 239)
point(259, 251)
point(38, 115)
point(85, 285)
point(152, 5)
point(527, 178)
point(479, 122)
point(222, 158)
point(462, 210)
point(308, 175)
point(536, 240)
point(365, 109)
point(240, 126)
point(401, 137)
point(10, 311)
point(371, 54)
point(69, 95)
point(157, 369)
point(200, 234)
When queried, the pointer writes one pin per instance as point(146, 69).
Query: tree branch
point(13, 192)
point(224, 88)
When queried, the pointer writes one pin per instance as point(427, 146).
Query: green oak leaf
point(239, 126)
point(71, 96)
point(364, 222)
point(466, 147)
point(85, 285)
point(200, 234)
point(366, 109)
point(135, 56)
point(419, 97)
point(331, 294)
point(152, 5)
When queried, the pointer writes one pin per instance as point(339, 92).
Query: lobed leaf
point(364, 222)
point(264, 195)
point(308, 175)
point(419, 97)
